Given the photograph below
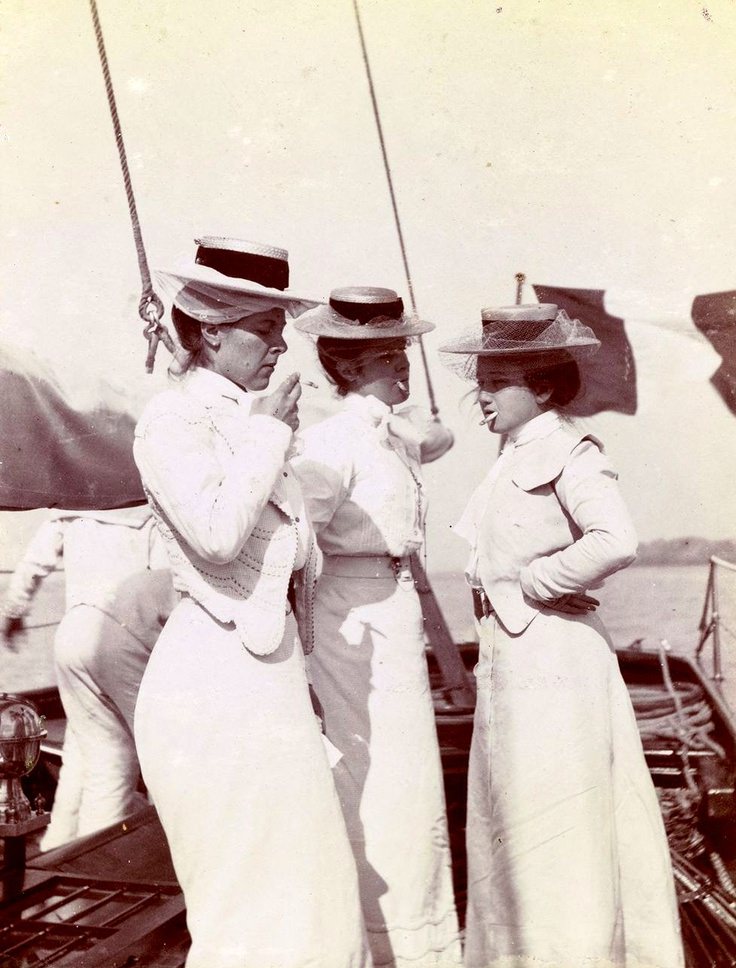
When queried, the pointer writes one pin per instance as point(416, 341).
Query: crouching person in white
point(118, 595)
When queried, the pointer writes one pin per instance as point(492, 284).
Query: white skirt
point(232, 755)
point(369, 671)
point(568, 863)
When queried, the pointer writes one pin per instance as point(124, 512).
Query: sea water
point(648, 603)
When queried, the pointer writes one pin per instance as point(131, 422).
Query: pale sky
point(588, 144)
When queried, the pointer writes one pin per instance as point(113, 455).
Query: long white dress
point(229, 746)
point(360, 474)
point(568, 864)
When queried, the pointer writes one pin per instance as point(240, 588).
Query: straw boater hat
point(363, 312)
point(535, 336)
point(231, 278)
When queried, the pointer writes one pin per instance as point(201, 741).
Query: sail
point(608, 378)
point(715, 316)
point(58, 451)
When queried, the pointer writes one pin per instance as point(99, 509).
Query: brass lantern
point(21, 732)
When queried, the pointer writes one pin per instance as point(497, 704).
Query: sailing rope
point(677, 714)
point(150, 307)
point(680, 716)
point(707, 914)
point(394, 205)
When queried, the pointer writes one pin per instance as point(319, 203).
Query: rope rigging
point(679, 716)
point(150, 307)
point(394, 205)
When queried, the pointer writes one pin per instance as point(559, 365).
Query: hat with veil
point(531, 336)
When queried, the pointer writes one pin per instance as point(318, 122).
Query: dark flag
point(609, 377)
point(715, 316)
point(54, 455)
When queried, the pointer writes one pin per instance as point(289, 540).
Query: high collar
point(395, 428)
point(536, 428)
point(210, 386)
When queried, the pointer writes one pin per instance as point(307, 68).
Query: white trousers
point(99, 665)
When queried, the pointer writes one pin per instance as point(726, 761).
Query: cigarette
point(486, 420)
point(308, 383)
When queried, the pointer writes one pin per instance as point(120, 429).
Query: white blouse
point(360, 472)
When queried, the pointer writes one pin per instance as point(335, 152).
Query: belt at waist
point(366, 566)
point(482, 607)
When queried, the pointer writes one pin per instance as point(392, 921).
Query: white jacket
point(228, 505)
point(548, 521)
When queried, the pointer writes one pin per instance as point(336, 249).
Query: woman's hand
point(282, 403)
point(577, 603)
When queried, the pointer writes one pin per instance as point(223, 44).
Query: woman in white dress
point(229, 745)
point(360, 471)
point(568, 863)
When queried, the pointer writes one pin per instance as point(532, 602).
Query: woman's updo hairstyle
point(333, 353)
point(562, 379)
point(189, 331)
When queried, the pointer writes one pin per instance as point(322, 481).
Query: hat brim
point(193, 273)
point(321, 322)
point(578, 350)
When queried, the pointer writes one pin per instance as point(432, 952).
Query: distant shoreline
point(684, 551)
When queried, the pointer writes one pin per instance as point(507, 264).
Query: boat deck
point(112, 899)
